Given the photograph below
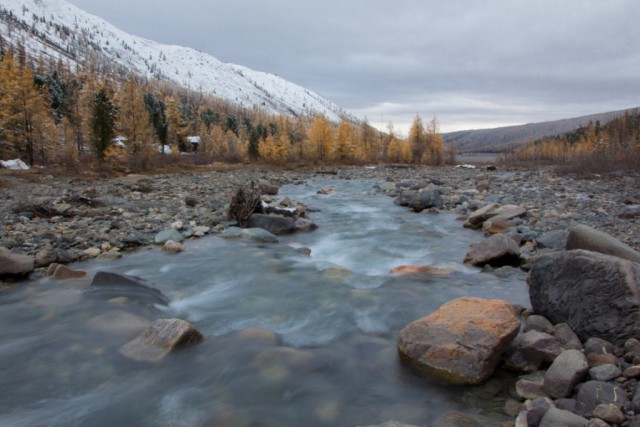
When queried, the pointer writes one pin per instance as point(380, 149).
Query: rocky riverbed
point(58, 219)
point(47, 220)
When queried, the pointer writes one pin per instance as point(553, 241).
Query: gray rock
point(609, 413)
point(271, 223)
point(426, 199)
point(260, 235)
point(567, 370)
point(535, 322)
point(595, 294)
point(304, 225)
point(160, 338)
point(598, 346)
point(593, 393)
point(476, 219)
point(166, 235)
point(15, 264)
point(528, 389)
point(590, 239)
point(555, 417)
point(536, 409)
point(232, 233)
point(605, 372)
point(497, 250)
point(566, 337)
point(554, 239)
point(113, 285)
point(631, 349)
point(530, 349)
point(635, 401)
point(597, 422)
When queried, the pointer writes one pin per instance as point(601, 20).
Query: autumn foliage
point(100, 117)
point(593, 148)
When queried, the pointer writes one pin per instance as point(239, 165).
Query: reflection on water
point(291, 339)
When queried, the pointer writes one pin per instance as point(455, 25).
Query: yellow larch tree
point(133, 122)
point(417, 140)
point(27, 128)
point(321, 140)
point(345, 150)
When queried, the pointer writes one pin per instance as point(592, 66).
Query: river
point(335, 315)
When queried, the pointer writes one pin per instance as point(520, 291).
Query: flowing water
point(336, 315)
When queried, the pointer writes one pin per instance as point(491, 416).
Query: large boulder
point(160, 338)
point(426, 199)
point(497, 250)
point(461, 342)
point(596, 295)
point(590, 239)
point(271, 223)
point(114, 285)
point(15, 264)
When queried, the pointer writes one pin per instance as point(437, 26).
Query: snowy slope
point(59, 29)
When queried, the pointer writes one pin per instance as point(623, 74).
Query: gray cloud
point(473, 64)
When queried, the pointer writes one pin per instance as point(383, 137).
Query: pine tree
point(156, 109)
point(103, 119)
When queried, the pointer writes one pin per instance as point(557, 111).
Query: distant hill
point(499, 139)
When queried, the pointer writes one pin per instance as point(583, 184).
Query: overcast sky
point(473, 64)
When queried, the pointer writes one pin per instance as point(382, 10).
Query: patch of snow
point(465, 166)
point(15, 164)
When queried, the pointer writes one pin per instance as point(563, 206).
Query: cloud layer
point(472, 64)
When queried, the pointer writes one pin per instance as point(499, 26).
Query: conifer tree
point(321, 140)
point(434, 142)
point(156, 109)
point(26, 123)
point(103, 119)
point(345, 144)
point(417, 140)
point(133, 121)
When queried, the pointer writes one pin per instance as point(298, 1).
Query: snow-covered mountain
point(59, 29)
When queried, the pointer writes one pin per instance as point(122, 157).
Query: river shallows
point(336, 315)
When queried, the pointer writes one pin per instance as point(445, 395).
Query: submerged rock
point(62, 272)
point(166, 235)
point(461, 342)
point(114, 285)
point(173, 247)
point(160, 338)
point(271, 223)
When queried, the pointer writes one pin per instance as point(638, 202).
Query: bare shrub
point(245, 202)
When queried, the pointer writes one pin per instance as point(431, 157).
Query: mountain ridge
point(496, 140)
point(59, 29)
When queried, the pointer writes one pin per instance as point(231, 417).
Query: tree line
point(595, 147)
point(52, 113)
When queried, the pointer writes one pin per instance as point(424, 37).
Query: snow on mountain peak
point(59, 29)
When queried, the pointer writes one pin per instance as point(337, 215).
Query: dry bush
point(245, 202)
